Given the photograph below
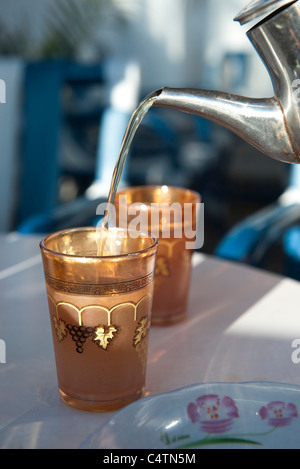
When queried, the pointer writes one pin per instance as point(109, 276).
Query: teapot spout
point(261, 122)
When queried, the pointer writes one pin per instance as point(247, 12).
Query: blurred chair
point(80, 212)
point(291, 246)
point(251, 240)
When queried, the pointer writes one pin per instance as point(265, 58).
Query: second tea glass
point(170, 214)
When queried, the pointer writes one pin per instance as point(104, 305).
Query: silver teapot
point(272, 125)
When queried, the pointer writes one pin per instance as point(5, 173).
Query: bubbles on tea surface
point(109, 242)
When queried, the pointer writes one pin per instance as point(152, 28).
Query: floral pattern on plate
point(216, 415)
point(222, 415)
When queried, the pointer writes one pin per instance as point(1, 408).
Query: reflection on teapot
point(269, 124)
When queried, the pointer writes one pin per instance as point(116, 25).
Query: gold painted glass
point(100, 308)
point(168, 213)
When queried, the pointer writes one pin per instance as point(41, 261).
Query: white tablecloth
point(240, 327)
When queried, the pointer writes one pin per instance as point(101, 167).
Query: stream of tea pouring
point(106, 244)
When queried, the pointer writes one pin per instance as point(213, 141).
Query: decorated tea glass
point(100, 309)
point(170, 214)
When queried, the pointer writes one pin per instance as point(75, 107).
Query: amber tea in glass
point(100, 308)
point(169, 213)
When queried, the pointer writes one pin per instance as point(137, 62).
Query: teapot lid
point(257, 8)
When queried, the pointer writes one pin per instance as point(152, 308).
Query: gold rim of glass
point(190, 195)
point(96, 256)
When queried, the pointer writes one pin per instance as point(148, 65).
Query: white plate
point(221, 415)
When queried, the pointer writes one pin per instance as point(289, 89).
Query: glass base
point(99, 406)
point(167, 320)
